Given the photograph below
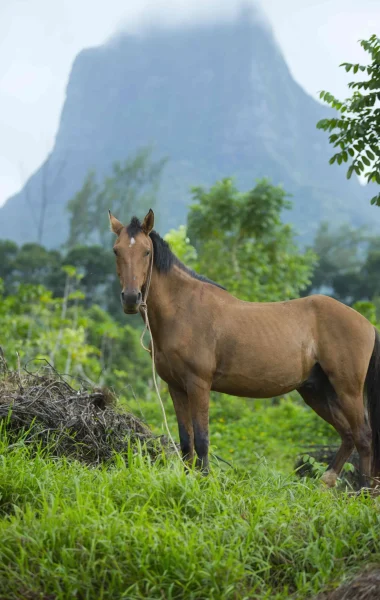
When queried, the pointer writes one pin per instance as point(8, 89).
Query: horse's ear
point(148, 222)
point(115, 225)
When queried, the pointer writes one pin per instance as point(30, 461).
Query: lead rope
point(144, 307)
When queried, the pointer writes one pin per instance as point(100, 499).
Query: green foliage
point(85, 343)
point(348, 264)
point(180, 244)
point(356, 132)
point(8, 252)
point(97, 267)
point(368, 310)
point(256, 256)
point(30, 263)
point(371, 271)
point(132, 185)
point(241, 242)
point(341, 255)
point(150, 531)
point(34, 264)
point(81, 209)
point(246, 432)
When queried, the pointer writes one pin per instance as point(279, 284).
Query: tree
point(81, 211)
point(45, 196)
point(179, 242)
point(242, 243)
point(356, 132)
point(34, 264)
point(132, 186)
point(8, 253)
point(48, 182)
point(96, 266)
point(348, 264)
point(370, 273)
point(341, 254)
point(31, 263)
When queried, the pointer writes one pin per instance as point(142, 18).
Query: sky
point(39, 40)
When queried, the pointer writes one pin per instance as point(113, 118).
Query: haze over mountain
point(217, 100)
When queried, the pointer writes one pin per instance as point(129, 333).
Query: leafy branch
point(356, 132)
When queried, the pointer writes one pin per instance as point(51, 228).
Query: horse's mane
point(164, 259)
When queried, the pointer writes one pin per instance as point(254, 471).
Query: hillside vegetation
point(136, 528)
point(129, 523)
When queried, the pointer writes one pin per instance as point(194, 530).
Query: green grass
point(244, 431)
point(150, 531)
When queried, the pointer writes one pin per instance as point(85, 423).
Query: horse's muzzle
point(131, 301)
point(131, 309)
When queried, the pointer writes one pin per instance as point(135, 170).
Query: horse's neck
point(167, 294)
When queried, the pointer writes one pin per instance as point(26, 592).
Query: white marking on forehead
point(133, 241)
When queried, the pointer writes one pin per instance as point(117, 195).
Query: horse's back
point(270, 348)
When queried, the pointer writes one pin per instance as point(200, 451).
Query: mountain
point(217, 100)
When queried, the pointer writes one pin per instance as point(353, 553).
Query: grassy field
point(245, 431)
point(149, 531)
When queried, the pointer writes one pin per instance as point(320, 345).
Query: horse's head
point(132, 249)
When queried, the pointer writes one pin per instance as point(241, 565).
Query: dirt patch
point(364, 587)
point(42, 407)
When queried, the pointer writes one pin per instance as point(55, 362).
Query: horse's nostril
point(131, 297)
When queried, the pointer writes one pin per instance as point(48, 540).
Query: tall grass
point(149, 531)
point(245, 431)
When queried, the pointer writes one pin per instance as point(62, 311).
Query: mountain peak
point(217, 99)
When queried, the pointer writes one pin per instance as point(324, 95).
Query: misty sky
point(39, 40)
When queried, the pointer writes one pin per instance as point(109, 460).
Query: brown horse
point(206, 339)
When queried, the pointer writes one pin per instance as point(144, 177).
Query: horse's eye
point(147, 253)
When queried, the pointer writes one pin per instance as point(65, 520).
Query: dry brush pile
point(41, 407)
point(364, 587)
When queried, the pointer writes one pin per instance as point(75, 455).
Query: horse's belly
point(262, 376)
point(257, 389)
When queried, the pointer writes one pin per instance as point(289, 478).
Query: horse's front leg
point(185, 423)
point(198, 393)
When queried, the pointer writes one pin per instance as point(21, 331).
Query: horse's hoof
point(329, 478)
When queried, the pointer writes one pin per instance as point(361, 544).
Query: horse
point(206, 339)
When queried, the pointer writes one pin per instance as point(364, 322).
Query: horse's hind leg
point(344, 357)
point(349, 384)
point(320, 395)
point(352, 405)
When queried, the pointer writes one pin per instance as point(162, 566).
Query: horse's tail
point(373, 402)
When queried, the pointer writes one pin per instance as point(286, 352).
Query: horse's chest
point(175, 364)
point(168, 370)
